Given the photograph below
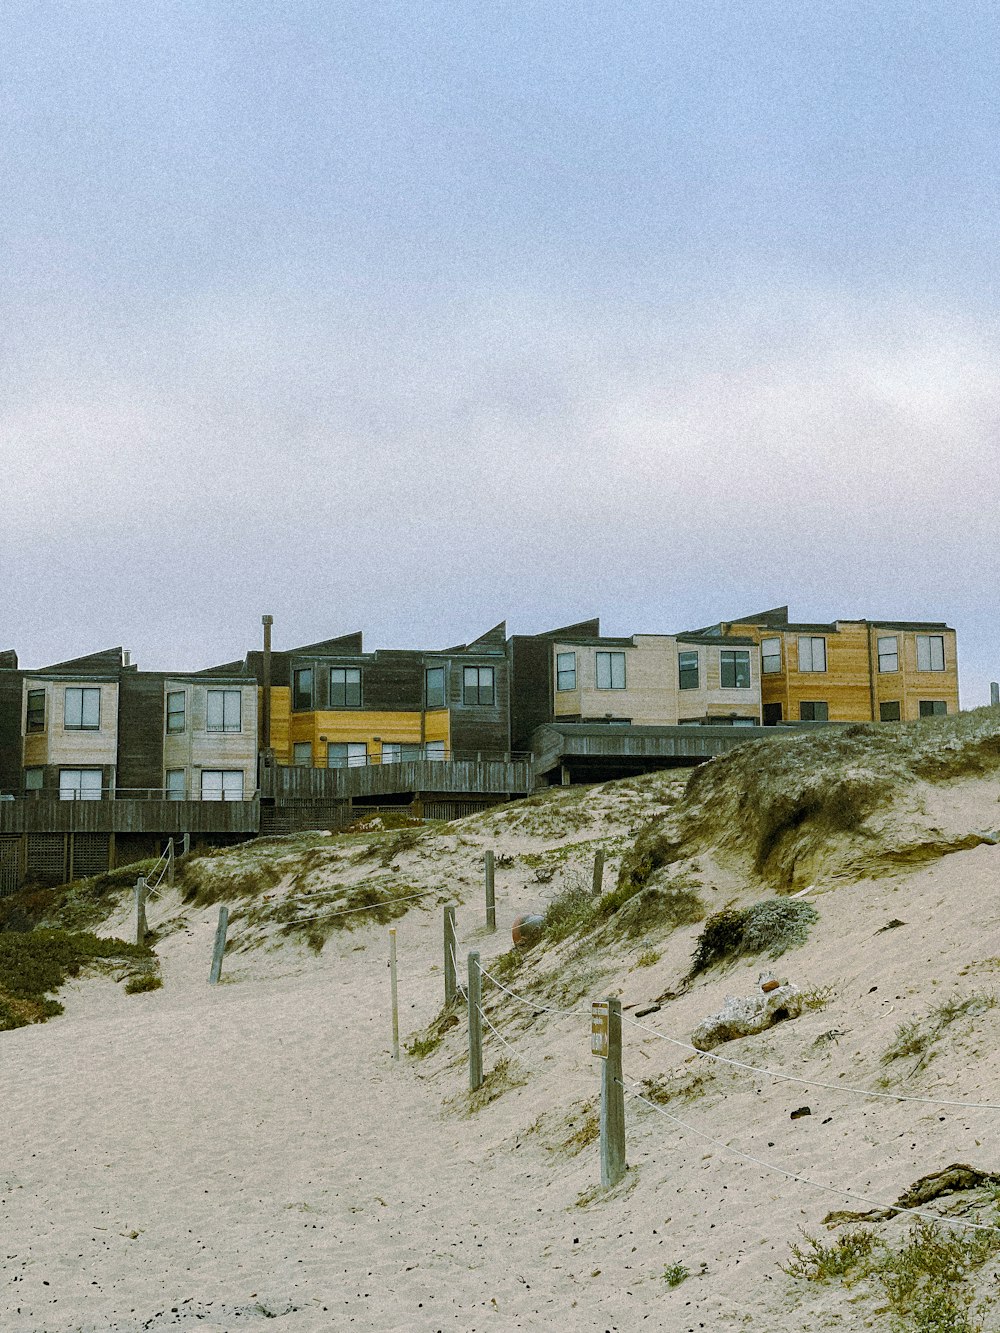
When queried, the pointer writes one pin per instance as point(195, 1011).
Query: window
point(175, 784)
point(771, 714)
point(734, 666)
point(302, 754)
point(477, 685)
point(812, 654)
point(221, 784)
point(565, 671)
point(302, 688)
point(80, 784)
point(345, 687)
point(687, 670)
point(175, 712)
point(36, 710)
point(352, 754)
point(889, 712)
point(610, 671)
point(933, 708)
point(888, 657)
point(814, 712)
point(34, 779)
point(83, 709)
point(223, 710)
point(930, 652)
point(434, 687)
point(399, 752)
point(770, 656)
point(434, 750)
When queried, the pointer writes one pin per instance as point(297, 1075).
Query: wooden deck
point(125, 816)
point(487, 777)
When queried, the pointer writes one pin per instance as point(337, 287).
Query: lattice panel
point(9, 849)
point(90, 854)
point(46, 858)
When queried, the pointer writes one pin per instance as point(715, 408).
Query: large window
point(83, 708)
point(610, 671)
point(36, 710)
point(477, 685)
point(80, 784)
point(434, 750)
point(889, 711)
point(930, 652)
point(345, 687)
point(398, 752)
point(175, 784)
point(220, 784)
point(302, 688)
point(933, 708)
point(734, 668)
point(223, 713)
point(434, 687)
point(888, 653)
point(816, 711)
point(34, 779)
point(812, 654)
point(349, 754)
point(687, 670)
point(302, 754)
point(176, 720)
point(770, 656)
point(565, 671)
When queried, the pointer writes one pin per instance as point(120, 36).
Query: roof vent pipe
point(267, 622)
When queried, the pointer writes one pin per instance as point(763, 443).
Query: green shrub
point(145, 981)
point(847, 1256)
point(37, 962)
point(771, 926)
point(674, 1274)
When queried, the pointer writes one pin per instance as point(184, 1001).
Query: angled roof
point(108, 659)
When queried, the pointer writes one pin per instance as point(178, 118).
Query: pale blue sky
point(411, 317)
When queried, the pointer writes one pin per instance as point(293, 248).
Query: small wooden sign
point(599, 1028)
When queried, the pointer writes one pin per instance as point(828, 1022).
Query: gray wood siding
point(446, 776)
point(10, 732)
point(140, 731)
point(161, 817)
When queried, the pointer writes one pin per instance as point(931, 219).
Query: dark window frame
point(885, 711)
point(765, 658)
point(350, 687)
point(564, 672)
point(885, 654)
point(81, 690)
point(478, 694)
point(813, 705)
point(933, 708)
point(930, 640)
point(171, 713)
point(31, 722)
point(737, 657)
point(432, 698)
point(227, 728)
point(302, 696)
point(684, 670)
point(611, 658)
point(812, 640)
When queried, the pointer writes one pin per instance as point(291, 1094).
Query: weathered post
point(186, 844)
point(393, 992)
point(450, 954)
point(491, 906)
point(606, 1042)
point(475, 1023)
point(170, 863)
point(220, 945)
point(994, 692)
point(140, 910)
point(599, 870)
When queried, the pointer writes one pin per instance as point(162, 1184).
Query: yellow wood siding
point(852, 674)
point(372, 729)
point(281, 708)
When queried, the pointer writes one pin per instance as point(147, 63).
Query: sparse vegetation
point(674, 1274)
point(142, 982)
point(770, 927)
point(926, 1280)
point(648, 958)
point(34, 964)
point(917, 1036)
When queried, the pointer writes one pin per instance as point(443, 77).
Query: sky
point(415, 317)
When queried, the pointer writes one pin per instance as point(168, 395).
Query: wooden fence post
point(393, 992)
point(475, 1023)
point(491, 906)
point(994, 692)
point(613, 1101)
point(450, 954)
point(170, 863)
point(186, 844)
point(220, 945)
point(140, 910)
point(599, 870)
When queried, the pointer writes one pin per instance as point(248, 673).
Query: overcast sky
point(413, 317)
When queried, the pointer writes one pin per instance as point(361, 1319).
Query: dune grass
point(34, 964)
